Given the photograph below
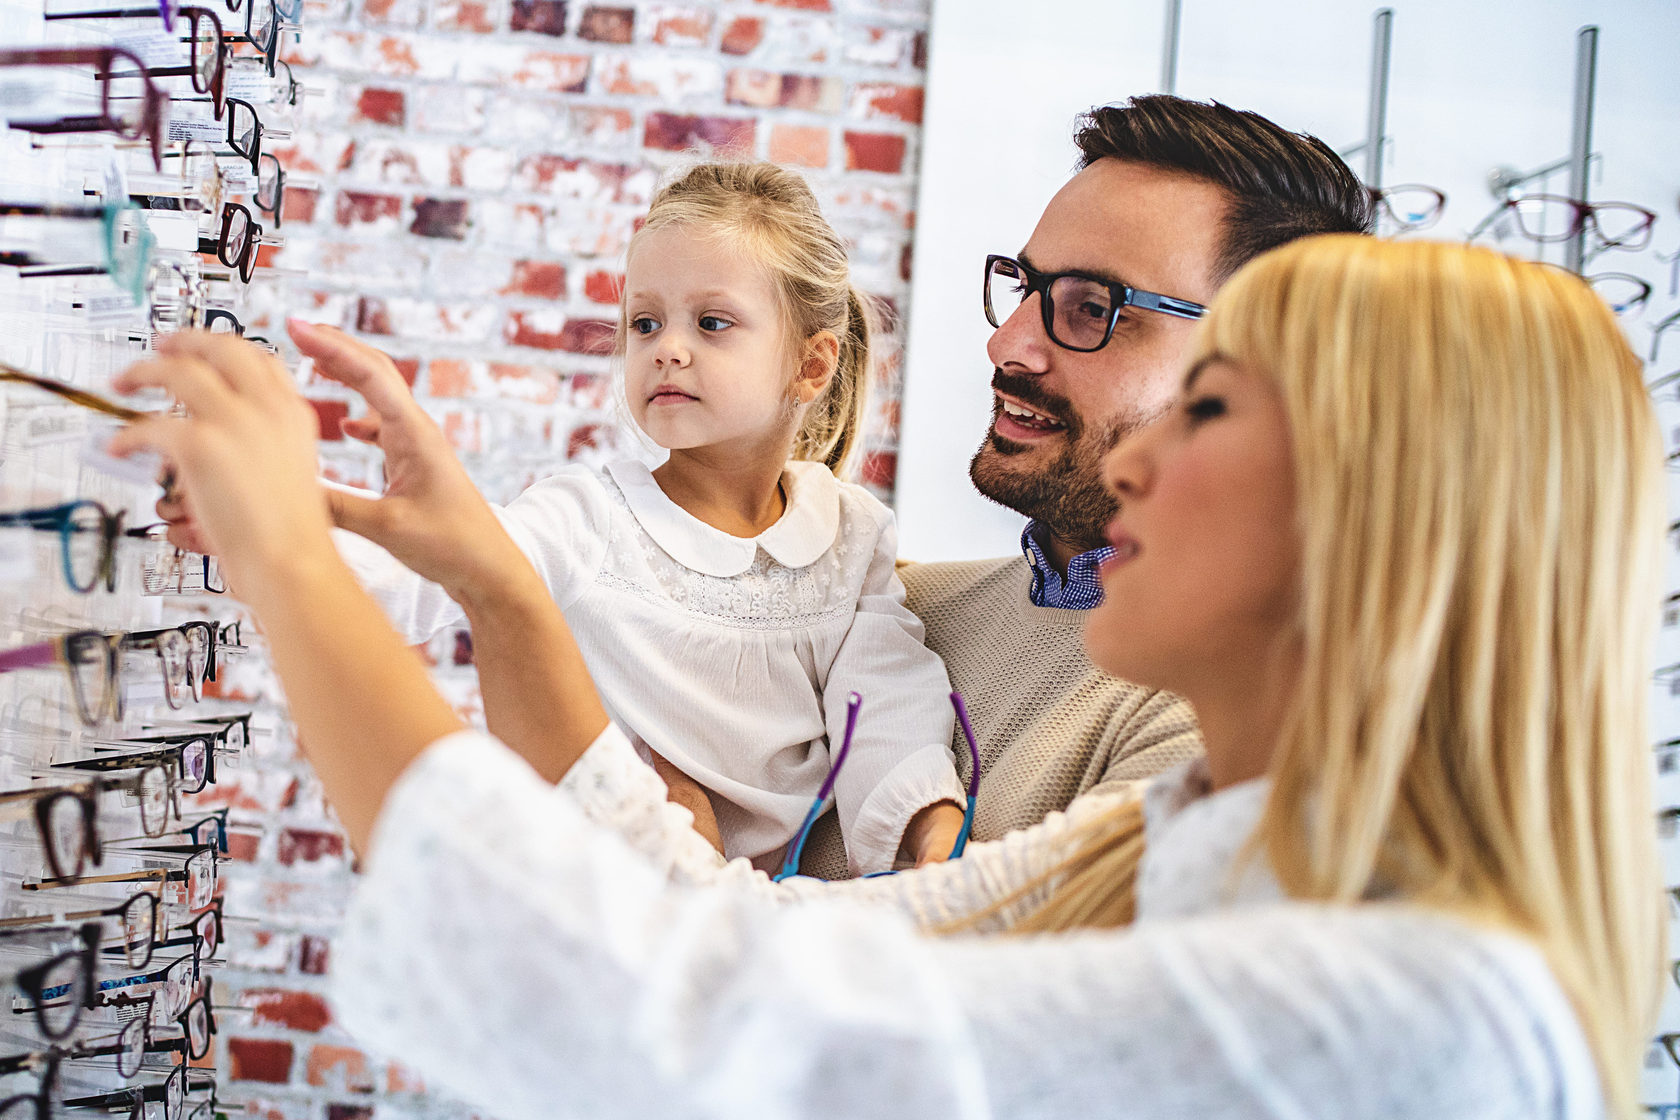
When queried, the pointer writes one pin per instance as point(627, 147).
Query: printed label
point(108, 309)
point(17, 555)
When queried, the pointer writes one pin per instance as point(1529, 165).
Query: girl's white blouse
point(732, 657)
point(578, 950)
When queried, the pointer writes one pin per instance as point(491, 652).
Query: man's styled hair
point(1282, 185)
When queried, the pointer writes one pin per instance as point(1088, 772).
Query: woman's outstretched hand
point(432, 517)
point(245, 453)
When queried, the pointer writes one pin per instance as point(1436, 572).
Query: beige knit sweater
point(1051, 726)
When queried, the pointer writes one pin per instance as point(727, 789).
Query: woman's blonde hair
point(770, 213)
point(1480, 514)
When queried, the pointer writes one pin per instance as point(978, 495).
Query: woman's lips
point(1126, 547)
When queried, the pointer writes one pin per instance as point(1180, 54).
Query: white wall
point(1473, 85)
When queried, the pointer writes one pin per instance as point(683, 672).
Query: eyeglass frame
point(44, 923)
point(126, 268)
point(83, 794)
point(29, 982)
point(153, 110)
point(1122, 296)
point(59, 650)
point(1380, 199)
point(1586, 213)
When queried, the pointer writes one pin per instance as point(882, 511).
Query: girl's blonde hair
point(1481, 507)
point(770, 213)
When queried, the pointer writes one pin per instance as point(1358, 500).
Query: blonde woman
point(1399, 545)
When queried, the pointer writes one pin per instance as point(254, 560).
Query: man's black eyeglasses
point(1079, 311)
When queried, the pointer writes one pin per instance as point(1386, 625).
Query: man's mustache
point(1029, 392)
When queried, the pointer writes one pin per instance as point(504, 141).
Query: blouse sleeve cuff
point(921, 779)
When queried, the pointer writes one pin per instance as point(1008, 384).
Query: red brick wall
point(478, 167)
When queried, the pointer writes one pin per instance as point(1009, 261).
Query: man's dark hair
point(1281, 184)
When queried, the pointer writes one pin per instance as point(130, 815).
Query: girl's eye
point(714, 323)
point(1204, 408)
point(644, 324)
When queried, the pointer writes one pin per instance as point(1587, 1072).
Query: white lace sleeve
point(900, 761)
point(617, 791)
point(532, 962)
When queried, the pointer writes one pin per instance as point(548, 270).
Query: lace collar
point(804, 532)
point(1190, 863)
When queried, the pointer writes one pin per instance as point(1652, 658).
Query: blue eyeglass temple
point(796, 847)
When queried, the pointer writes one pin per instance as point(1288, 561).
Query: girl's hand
point(680, 789)
point(245, 451)
point(432, 517)
point(932, 833)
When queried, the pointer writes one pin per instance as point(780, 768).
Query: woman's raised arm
point(363, 705)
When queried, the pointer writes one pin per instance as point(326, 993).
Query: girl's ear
point(816, 368)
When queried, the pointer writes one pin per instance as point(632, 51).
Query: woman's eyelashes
point(1203, 408)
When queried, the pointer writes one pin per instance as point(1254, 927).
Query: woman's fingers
point(194, 383)
point(165, 435)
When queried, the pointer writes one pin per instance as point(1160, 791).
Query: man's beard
point(1067, 494)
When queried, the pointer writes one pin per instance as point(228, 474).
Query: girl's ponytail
point(833, 428)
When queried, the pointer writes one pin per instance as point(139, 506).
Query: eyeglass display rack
point(127, 208)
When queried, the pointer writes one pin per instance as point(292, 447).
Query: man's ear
point(817, 366)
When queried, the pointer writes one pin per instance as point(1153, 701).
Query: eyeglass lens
point(1080, 310)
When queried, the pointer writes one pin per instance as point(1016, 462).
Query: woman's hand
point(246, 452)
point(432, 517)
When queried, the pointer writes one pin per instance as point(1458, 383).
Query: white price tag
point(196, 128)
point(250, 83)
point(141, 469)
point(108, 309)
point(17, 555)
point(174, 230)
point(38, 427)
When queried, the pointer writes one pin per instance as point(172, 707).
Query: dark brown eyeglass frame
point(237, 245)
point(104, 60)
point(1121, 296)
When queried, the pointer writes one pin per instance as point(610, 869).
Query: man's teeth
point(1020, 412)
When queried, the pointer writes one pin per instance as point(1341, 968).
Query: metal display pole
point(1169, 47)
point(1580, 145)
point(1376, 121)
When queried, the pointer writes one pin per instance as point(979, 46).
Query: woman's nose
point(1129, 469)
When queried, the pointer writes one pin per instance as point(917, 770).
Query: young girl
point(728, 601)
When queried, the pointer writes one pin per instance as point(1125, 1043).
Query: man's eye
point(644, 324)
point(1096, 312)
point(714, 323)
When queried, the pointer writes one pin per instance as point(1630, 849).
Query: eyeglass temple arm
point(1167, 305)
point(28, 657)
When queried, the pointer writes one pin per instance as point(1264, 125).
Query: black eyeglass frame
point(1121, 296)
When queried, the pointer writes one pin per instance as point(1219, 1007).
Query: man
point(1173, 196)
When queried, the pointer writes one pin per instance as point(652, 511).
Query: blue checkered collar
point(1079, 590)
